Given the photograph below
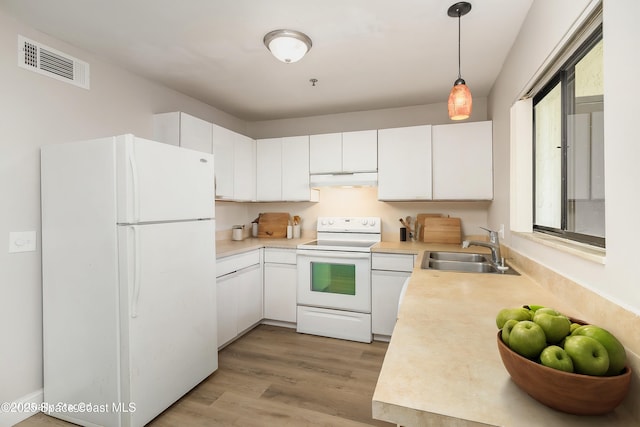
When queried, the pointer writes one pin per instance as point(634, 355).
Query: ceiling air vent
point(42, 59)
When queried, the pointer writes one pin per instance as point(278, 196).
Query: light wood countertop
point(233, 247)
point(442, 367)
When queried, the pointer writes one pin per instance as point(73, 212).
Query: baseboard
point(382, 338)
point(280, 323)
point(21, 409)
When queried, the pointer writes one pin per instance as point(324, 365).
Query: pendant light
point(460, 101)
point(287, 45)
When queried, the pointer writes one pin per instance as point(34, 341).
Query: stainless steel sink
point(464, 262)
point(457, 256)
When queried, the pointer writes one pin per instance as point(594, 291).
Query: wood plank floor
point(274, 376)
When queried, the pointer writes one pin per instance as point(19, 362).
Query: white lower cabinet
point(240, 295)
point(249, 302)
point(388, 274)
point(280, 276)
point(227, 308)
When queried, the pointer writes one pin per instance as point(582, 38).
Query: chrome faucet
point(493, 244)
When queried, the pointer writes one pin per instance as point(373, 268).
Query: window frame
point(562, 77)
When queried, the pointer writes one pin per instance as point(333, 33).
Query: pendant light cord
point(459, 75)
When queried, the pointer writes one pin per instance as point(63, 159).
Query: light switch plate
point(22, 241)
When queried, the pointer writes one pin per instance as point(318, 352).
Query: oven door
point(335, 279)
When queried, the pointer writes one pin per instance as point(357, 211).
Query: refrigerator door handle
point(134, 182)
point(136, 271)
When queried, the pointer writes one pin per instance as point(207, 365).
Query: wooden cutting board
point(420, 223)
point(442, 230)
point(273, 225)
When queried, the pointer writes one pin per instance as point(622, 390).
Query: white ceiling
point(366, 54)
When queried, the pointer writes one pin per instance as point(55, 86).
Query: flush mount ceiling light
point(460, 101)
point(287, 45)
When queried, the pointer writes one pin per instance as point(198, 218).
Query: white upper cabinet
point(282, 171)
point(244, 168)
point(235, 165)
point(463, 161)
point(295, 169)
point(344, 152)
point(269, 169)
point(404, 163)
point(325, 153)
point(234, 154)
point(183, 130)
point(223, 155)
point(360, 151)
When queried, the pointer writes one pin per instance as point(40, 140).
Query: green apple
point(574, 326)
point(557, 358)
point(555, 325)
point(588, 355)
point(615, 349)
point(506, 330)
point(505, 314)
point(527, 339)
point(533, 307)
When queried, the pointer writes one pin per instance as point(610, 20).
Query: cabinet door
point(269, 163)
point(295, 168)
point(280, 292)
point(181, 129)
point(404, 163)
point(360, 151)
point(463, 161)
point(325, 153)
point(195, 133)
point(244, 168)
point(249, 297)
point(227, 308)
point(166, 128)
point(223, 154)
point(385, 295)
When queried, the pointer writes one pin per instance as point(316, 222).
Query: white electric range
point(334, 278)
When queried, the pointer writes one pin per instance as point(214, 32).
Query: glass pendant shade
point(460, 101)
point(287, 45)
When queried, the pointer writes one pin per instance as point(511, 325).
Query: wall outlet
point(501, 231)
point(22, 241)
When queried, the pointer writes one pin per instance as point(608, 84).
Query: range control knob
point(372, 222)
point(330, 222)
point(364, 221)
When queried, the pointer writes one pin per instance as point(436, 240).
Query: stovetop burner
point(351, 234)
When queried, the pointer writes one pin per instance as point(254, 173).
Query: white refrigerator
point(128, 265)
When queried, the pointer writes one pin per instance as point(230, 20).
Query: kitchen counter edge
point(226, 248)
point(446, 330)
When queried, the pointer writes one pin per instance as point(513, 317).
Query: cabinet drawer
point(280, 256)
point(233, 263)
point(392, 262)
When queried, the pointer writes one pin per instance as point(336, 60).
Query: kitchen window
point(568, 148)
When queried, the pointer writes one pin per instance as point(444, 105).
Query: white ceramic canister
point(237, 232)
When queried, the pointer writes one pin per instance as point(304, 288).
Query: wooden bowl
point(567, 392)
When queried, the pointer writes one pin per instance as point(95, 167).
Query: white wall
point(364, 202)
point(37, 110)
point(431, 114)
point(547, 23)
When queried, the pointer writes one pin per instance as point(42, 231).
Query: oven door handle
point(333, 254)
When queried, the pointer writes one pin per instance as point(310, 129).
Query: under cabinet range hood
point(344, 179)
